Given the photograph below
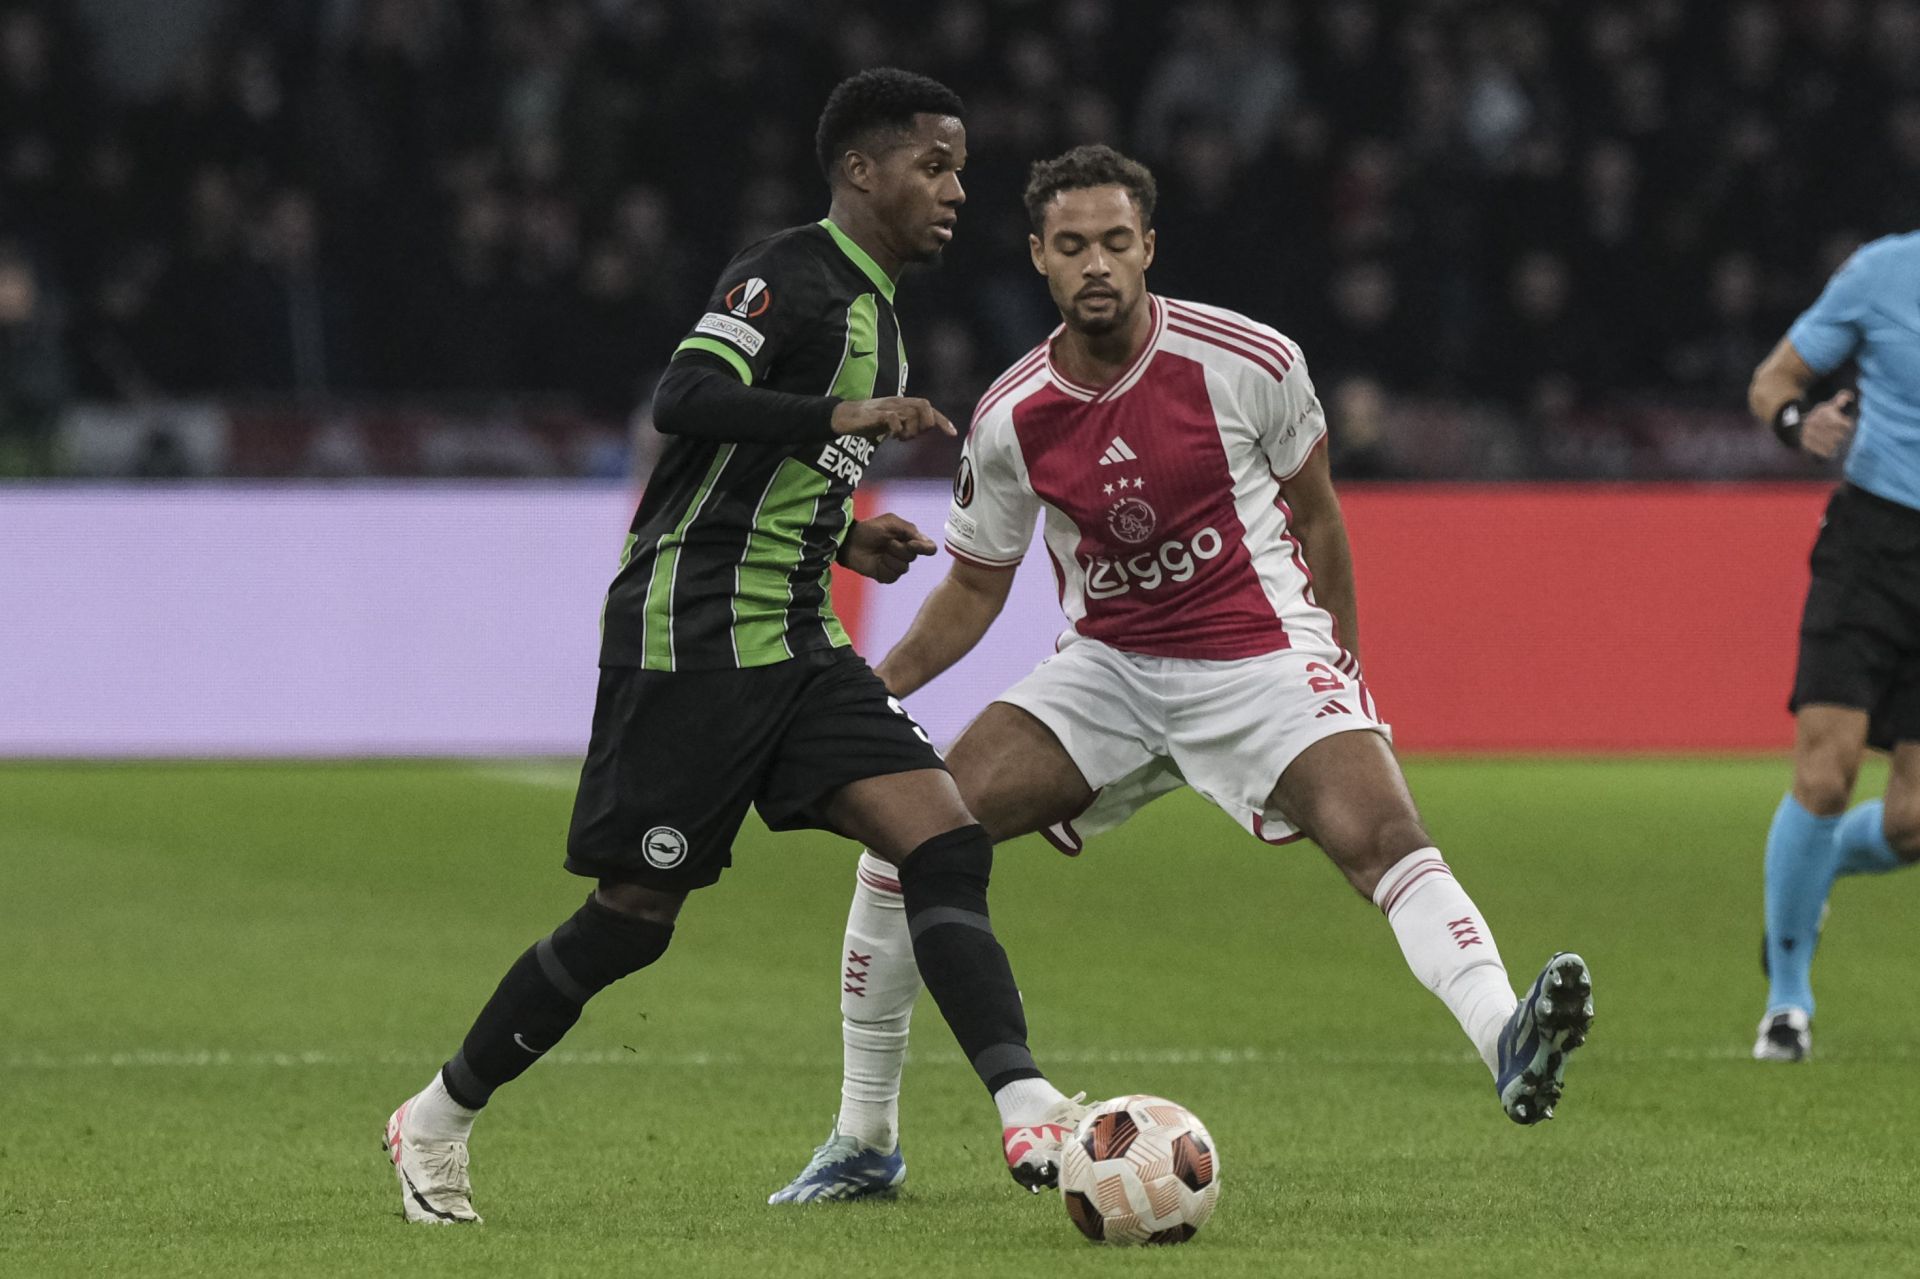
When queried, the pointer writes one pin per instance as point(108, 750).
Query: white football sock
point(433, 1115)
point(878, 983)
point(1448, 946)
point(1025, 1102)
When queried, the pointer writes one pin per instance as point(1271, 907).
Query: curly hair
point(1088, 166)
point(879, 99)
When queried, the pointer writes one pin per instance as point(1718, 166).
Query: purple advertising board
point(364, 620)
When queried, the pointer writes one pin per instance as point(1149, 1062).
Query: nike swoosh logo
point(524, 1044)
point(861, 355)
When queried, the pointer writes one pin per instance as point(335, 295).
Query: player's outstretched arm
point(898, 417)
point(1777, 394)
point(949, 624)
point(699, 396)
point(1315, 519)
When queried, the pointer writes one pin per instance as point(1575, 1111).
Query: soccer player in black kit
point(726, 679)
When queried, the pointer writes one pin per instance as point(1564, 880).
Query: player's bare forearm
point(953, 620)
point(1315, 519)
point(1781, 377)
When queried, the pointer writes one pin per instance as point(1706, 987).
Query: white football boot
point(1034, 1150)
point(433, 1175)
point(1784, 1036)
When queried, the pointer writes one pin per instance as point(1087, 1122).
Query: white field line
point(219, 1059)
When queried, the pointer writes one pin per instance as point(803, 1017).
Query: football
point(1140, 1170)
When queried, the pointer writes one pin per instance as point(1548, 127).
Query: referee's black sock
point(541, 996)
point(944, 882)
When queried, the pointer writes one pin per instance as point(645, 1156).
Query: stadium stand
point(1515, 240)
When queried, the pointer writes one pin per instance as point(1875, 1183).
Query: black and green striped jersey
point(729, 558)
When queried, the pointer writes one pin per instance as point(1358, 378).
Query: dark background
point(1513, 240)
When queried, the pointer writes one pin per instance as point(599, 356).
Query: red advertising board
point(1582, 618)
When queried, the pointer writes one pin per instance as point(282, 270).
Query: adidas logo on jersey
point(1117, 452)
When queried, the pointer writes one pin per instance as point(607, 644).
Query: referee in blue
point(1858, 680)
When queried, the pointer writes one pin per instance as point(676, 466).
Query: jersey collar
point(858, 256)
point(1120, 385)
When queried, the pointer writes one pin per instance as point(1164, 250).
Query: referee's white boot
point(434, 1188)
point(1784, 1036)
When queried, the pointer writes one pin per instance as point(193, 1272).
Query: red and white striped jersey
point(1160, 493)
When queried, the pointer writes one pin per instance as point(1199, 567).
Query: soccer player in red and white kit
point(1175, 454)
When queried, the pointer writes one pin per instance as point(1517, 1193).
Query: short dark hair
point(879, 99)
point(1097, 165)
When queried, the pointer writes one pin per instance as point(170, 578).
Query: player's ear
point(1033, 251)
point(1148, 240)
point(858, 169)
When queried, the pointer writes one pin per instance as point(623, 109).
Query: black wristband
point(1788, 421)
point(840, 556)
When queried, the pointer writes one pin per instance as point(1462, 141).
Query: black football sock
point(944, 882)
point(541, 996)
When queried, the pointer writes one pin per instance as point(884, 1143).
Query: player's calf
point(536, 1003)
point(542, 995)
point(944, 884)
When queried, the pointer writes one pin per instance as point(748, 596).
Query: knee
point(1822, 788)
point(598, 945)
point(1901, 824)
point(1824, 774)
point(973, 777)
point(634, 901)
point(951, 870)
point(1365, 858)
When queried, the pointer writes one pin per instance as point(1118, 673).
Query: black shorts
point(1860, 633)
point(677, 756)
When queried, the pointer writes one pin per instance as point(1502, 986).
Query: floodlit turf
point(218, 979)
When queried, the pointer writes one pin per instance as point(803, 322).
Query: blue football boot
point(844, 1169)
point(1551, 1021)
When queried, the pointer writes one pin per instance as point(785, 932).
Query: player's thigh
point(851, 760)
point(1859, 633)
point(1240, 729)
point(1095, 705)
point(1014, 775)
point(1348, 794)
point(658, 805)
point(894, 814)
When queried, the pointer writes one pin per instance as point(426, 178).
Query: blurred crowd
point(1543, 207)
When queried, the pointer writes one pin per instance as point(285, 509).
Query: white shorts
point(1138, 727)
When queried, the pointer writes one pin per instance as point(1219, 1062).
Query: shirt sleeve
point(991, 520)
point(1831, 329)
point(760, 308)
point(1290, 418)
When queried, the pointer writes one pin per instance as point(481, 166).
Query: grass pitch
point(219, 978)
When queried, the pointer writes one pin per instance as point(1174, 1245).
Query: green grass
point(219, 978)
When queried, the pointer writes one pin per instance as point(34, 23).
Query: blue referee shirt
point(1871, 309)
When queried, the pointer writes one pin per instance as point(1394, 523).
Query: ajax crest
point(1131, 520)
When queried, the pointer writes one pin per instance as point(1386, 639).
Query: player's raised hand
point(1829, 426)
point(899, 417)
point(884, 547)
